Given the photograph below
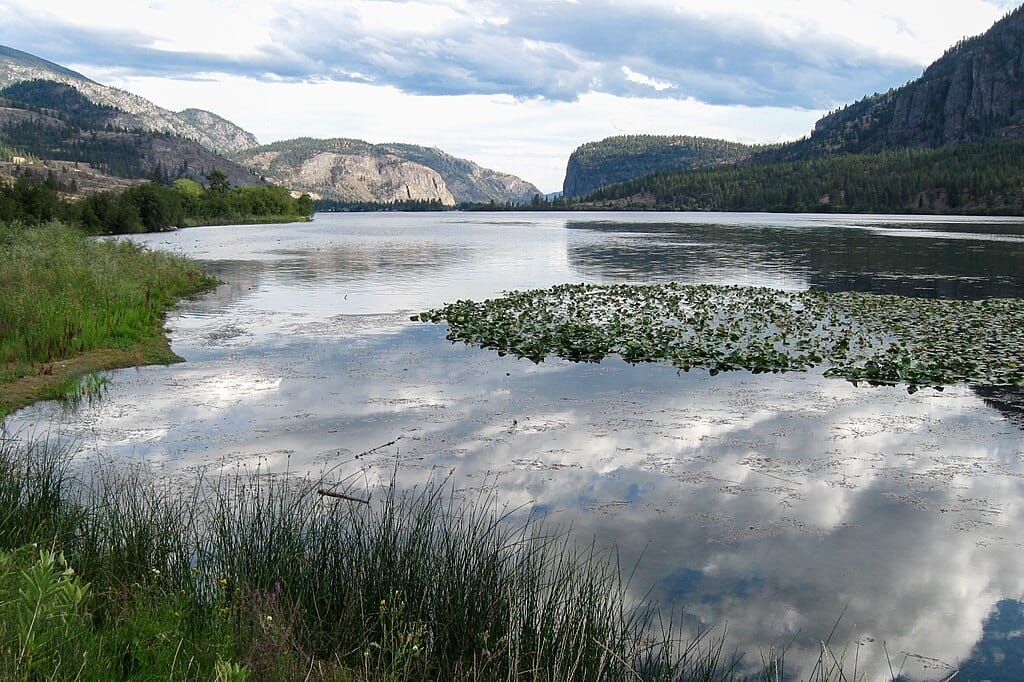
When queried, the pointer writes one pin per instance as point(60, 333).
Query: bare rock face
point(209, 130)
point(366, 177)
point(974, 92)
point(356, 171)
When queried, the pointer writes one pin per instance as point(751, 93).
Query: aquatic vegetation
point(860, 337)
point(251, 575)
point(72, 305)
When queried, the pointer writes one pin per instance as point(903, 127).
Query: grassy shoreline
point(247, 220)
point(112, 573)
point(74, 305)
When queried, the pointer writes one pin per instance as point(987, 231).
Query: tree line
point(983, 177)
point(150, 206)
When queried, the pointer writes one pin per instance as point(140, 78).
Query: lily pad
point(859, 337)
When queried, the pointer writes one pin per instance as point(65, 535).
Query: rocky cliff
point(209, 130)
point(353, 170)
point(973, 93)
point(468, 182)
point(624, 157)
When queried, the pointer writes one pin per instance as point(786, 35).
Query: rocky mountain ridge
point(53, 121)
point(209, 130)
point(350, 170)
point(973, 93)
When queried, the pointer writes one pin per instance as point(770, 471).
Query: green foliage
point(188, 188)
point(150, 206)
point(49, 609)
point(65, 294)
point(859, 337)
point(983, 177)
point(411, 205)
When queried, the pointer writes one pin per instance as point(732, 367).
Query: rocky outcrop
point(624, 157)
point(209, 130)
point(352, 170)
point(974, 92)
point(366, 177)
point(468, 182)
point(222, 135)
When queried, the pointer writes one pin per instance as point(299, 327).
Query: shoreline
point(51, 379)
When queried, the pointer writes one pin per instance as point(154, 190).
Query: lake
point(771, 505)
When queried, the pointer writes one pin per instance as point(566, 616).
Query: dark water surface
point(772, 504)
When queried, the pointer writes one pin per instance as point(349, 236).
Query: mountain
point(624, 157)
point(973, 178)
point(356, 171)
point(949, 141)
point(54, 121)
point(973, 93)
point(209, 130)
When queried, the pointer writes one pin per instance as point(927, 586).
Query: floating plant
point(860, 337)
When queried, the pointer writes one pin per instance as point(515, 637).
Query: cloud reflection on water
point(766, 502)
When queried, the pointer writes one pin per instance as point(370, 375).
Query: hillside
point(979, 177)
point(945, 142)
point(356, 171)
point(53, 121)
point(209, 130)
point(973, 93)
point(623, 157)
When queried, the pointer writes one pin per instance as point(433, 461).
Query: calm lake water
point(774, 505)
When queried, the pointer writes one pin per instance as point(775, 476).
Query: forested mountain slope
point(209, 130)
point(54, 121)
point(973, 93)
point(947, 141)
point(623, 157)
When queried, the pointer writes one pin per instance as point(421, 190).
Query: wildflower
point(223, 581)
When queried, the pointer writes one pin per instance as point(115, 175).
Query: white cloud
point(515, 86)
point(640, 78)
point(532, 139)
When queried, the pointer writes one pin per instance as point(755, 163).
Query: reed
point(250, 576)
point(67, 296)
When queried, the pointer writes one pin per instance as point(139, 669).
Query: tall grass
point(65, 294)
point(264, 576)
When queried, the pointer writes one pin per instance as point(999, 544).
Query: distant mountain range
point(356, 171)
point(54, 121)
point(53, 113)
point(133, 112)
point(973, 94)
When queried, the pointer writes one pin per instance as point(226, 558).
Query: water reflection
point(771, 503)
point(967, 262)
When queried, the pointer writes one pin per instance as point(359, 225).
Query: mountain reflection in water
point(768, 503)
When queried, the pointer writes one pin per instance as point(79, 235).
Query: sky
point(514, 86)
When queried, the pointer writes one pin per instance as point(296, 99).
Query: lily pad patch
point(880, 340)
